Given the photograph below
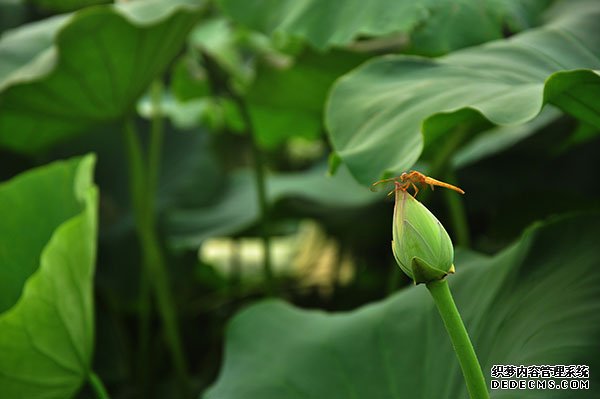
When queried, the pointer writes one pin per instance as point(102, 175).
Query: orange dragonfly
point(411, 179)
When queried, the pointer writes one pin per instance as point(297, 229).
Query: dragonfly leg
point(416, 189)
point(397, 187)
point(432, 187)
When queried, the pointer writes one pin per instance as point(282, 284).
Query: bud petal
point(421, 245)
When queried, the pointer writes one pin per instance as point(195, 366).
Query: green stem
point(143, 346)
point(156, 141)
point(137, 187)
point(153, 168)
point(137, 181)
point(476, 385)
point(159, 280)
point(259, 176)
point(458, 214)
point(152, 255)
point(97, 386)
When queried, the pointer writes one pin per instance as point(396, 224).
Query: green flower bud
point(420, 243)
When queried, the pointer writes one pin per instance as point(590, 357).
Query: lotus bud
point(420, 244)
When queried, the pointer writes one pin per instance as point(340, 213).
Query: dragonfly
point(412, 179)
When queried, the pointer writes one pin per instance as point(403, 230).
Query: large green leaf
point(60, 76)
point(66, 5)
point(538, 302)
point(436, 26)
point(377, 114)
point(47, 256)
point(289, 102)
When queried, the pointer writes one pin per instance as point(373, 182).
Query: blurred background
point(245, 196)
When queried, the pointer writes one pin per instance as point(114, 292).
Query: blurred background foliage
point(258, 151)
